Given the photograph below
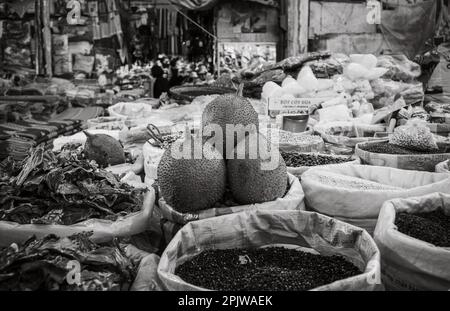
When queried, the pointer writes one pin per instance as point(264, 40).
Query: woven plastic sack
point(147, 275)
point(360, 206)
point(293, 200)
point(298, 171)
point(414, 135)
point(416, 162)
point(408, 263)
point(103, 230)
point(254, 229)
point(443, 167)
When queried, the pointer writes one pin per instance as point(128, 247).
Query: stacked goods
point(298, 163)
point(65, 194)
point(383, 153)
point(413, 235)
point(262, 250)
point(17, 138)
point(347, 133)
point(337, 190)
point(254, 82)
point(273, 269)
point(45, 264)
point(210, 183)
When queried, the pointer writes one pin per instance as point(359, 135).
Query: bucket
point(295, 124)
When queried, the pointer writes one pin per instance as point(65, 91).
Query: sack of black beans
point(382, 153)
point(414, 135)
point(263, 250)
point(413, 236)
point(293, 200)
point(298, 162)
point(355, 193)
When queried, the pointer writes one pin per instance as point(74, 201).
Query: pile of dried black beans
point(431, 227)
point(272, 269)
point(295, 159)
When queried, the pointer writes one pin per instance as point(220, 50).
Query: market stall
point(223, 145)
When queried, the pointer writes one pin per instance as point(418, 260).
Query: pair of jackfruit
point(192, 184)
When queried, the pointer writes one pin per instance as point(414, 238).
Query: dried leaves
point(62, 189)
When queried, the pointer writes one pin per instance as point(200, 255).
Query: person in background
point(161, 84)
point(175, 79)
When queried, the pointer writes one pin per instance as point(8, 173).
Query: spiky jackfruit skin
point(190, 185)
point(229, 109)
point(103, 149)
point(249, 182)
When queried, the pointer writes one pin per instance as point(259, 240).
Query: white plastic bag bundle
point(363, 67)
point(334, 113)
point(414, 135)
point(409, 263)
point(254, 229)
point(307, 79)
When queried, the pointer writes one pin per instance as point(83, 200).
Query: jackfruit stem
point(240, 90)
point(88, 135)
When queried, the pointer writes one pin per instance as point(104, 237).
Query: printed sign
point(374, 12)
point(297, 106)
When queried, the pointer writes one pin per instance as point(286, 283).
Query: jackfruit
point(190, 181)
point(103, 149)
point(256, 171)
point(232, 110)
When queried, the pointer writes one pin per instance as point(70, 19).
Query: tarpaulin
point(207, 4)
point(21, 6)
point(407, 27)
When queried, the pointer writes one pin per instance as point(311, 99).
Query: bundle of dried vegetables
point(74, 264)
point(62, 189)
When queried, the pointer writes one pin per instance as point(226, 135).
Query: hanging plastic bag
point(414, 135)
point(407, 27)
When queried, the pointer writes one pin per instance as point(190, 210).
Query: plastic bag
point(414, 135)
point(443, 167)
point(262, 228)
point(307, 79)
point(369, 61)
point(334, 113)
point(130, 110)
point(147, 275)
point(152, 156)
point(103, 230)
point(409, 263)
point(378, 184)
